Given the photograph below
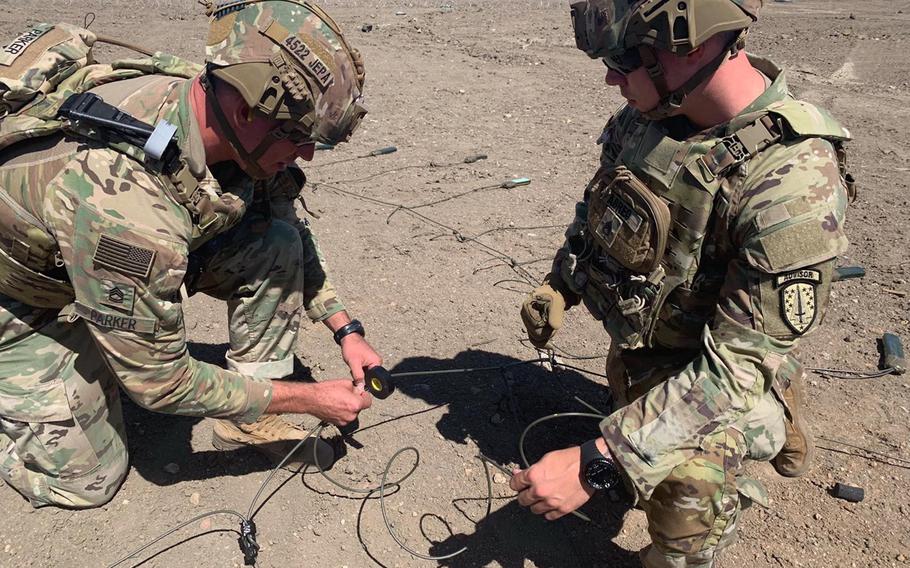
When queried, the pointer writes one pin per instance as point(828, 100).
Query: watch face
point(601, 474)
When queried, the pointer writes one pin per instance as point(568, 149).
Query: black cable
point(177, 528)
point(248, 529)
point(524, 433)
point(862, 449)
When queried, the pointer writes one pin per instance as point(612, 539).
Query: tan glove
point(543, 312)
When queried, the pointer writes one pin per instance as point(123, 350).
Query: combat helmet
point(289, 61)
point(627, 33)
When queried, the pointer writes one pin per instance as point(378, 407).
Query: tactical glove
point(544, 309)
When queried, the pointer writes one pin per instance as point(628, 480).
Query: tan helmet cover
point(603, 27)
point(289, 61)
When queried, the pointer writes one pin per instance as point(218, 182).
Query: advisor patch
point(799, 298)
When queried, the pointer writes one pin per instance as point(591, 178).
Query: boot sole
point(277, 451)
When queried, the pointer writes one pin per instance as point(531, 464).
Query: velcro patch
point(309, 60)
point(123, 257)
point(117, 295)
point(113, 321)
point(15, 48)
point(804, 243)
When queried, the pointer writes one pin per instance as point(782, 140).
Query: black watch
point(354, 327)
point(597, 470)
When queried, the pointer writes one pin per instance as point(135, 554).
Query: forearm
point(337, 320)
point(176, 383)
point(293, 397)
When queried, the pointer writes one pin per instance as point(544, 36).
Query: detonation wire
point(847, 374)
point(248, 529)
point(459, 236)
point(904, 463)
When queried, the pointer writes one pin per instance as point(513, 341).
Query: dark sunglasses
point(291, 131)
point(623, 62)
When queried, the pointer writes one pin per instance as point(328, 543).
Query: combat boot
point(274, 437)
point(796, 457)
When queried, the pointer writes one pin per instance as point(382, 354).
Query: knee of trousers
point(282, 251)
point(92, 489)
point(692, 514)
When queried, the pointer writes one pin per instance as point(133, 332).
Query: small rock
point(817, 516)
point(401, 13)
point(206, 524)
point(499, 478)
point(900, 558)
point(194, 499)
point(497, 418)
point(367, 28)
point(172, 468)
point(7, 548)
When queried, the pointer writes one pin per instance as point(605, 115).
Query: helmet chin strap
point(250, 160)
point(671, 101)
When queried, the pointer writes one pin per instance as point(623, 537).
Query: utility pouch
point(28, 256)
point(629, 222)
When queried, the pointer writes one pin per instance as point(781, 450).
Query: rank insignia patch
point(117, 295)
point(798, 298)
point(123, 257)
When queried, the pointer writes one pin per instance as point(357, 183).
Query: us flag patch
point(123, 257)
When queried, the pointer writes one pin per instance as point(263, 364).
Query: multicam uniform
point(125, 239)
point(750, 216)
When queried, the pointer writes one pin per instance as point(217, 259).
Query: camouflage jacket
point(140, 255)
point(747, 255)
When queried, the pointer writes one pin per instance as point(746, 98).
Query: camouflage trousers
point(62, 439)
point(692, 515)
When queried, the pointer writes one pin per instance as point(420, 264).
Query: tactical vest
point(638, 262)
point(39, 71)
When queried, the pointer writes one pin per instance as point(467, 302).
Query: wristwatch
point(597, 470)
point(354, 327)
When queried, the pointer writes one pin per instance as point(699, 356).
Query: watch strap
point(354, 327)
point(590, 452)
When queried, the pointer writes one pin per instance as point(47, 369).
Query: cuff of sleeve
point(643, 474)
point(259, 396)
point(322, 309)
point(264, 369)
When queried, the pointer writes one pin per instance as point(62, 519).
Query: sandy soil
point(451, 79)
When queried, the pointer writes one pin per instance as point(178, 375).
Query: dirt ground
point(446, 80)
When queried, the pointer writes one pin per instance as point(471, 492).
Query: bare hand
point(359, 355)
point(338, 402)
point(552, 487)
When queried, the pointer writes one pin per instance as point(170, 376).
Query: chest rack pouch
point(628, 221)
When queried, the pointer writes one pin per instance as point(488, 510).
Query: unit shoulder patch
point(799, 298)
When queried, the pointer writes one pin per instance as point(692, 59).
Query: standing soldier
point(705, 244)
point(123, 183)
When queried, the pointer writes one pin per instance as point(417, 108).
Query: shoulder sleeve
point(124, 243)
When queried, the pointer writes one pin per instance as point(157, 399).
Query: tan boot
point(796, 457)
point(274, 437)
